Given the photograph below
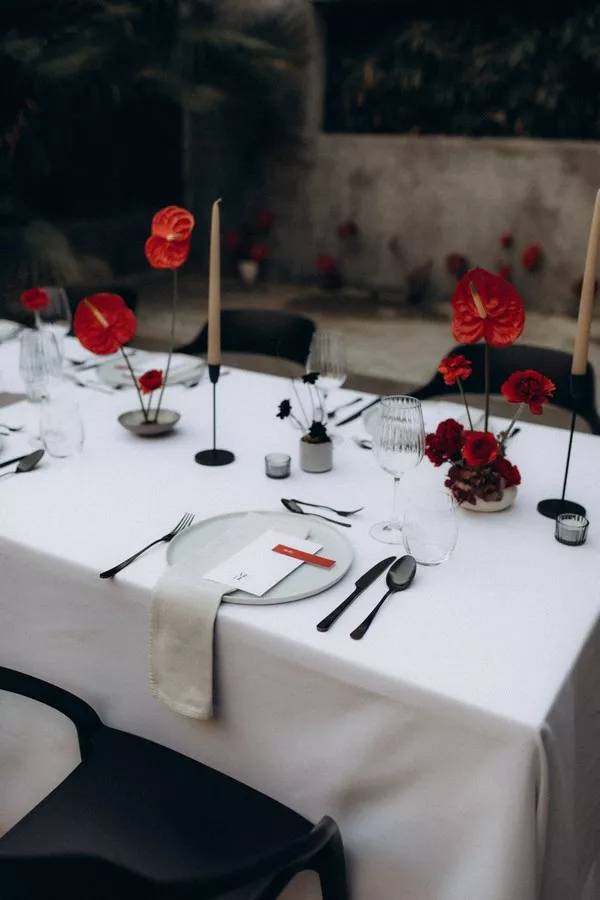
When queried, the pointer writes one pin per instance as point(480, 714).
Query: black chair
point(135, 820)
point(261, 331)
point(555, 364)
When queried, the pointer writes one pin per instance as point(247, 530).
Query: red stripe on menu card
point(305, 557)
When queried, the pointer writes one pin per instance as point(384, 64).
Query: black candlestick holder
point(553, 508)
point(214, 456)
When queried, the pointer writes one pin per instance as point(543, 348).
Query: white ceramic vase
point(316, 457)
point(248, 269)
point(489, 506)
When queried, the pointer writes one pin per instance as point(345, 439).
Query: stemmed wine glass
point(398, 445)
point(327, 356)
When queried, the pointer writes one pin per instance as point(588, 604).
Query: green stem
point(486, 365)
point(171, 344)
point(512, 425)
point(135, 384)
point(464, 400)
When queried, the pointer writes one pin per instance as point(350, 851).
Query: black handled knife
point(363, 582)
point(359, 413)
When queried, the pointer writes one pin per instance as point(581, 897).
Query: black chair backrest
point(555, 364)
point(261, 331)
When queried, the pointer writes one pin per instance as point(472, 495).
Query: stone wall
point(415, 198)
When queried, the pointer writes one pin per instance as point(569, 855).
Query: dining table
point(457, 744)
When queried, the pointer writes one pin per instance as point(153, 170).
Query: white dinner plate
point(197, 544)
point(115, 372)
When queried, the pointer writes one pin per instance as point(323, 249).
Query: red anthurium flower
point(486, 306)
point(151, 381)
point(259, 252)
point(454, 367)
point(325, 264)
point(265, 219)
point(347, 230)
point(506, 239)
point(532, 257)
point(164, 254)
point(505, 272)
point(232, 239)
point(479, 448)
point(172, 224)
point(103, 323)
point(35, 299)
point(528, 387)
point(168, 246)
point(506, 470)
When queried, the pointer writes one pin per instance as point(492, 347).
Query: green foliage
point(486, 76)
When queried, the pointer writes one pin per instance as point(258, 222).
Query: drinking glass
point(398, 445)
point(57, 315)
point(40, 360)
point(327, 356)
point(431, 527)
point(61, 428)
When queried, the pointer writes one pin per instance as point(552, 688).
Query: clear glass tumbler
point(40, 360)
point(61, 428)
point(430, 528)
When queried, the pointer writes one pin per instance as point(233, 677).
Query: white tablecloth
point(457, 745)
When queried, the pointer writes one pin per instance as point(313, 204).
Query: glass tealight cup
point(277, 465)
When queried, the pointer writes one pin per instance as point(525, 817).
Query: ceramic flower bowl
point(134, 422)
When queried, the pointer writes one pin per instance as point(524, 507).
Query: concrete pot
point(316, 457)
point(134, 422)
point(489, 506)
point(248, 270)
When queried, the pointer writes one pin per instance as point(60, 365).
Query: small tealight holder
point(277, 465)
point(571, 529)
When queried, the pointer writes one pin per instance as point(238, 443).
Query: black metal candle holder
point(214, 457)
point(553, 508)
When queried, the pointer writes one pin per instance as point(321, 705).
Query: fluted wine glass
point(398, 445)
point(327, 356)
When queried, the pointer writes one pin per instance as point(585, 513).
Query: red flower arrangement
point(347, 230)
point(532, 257)
point(35, 299)
point(249, 242)
point(485, 307)
point(103, 323)
point(457, 264)
point(259, 252)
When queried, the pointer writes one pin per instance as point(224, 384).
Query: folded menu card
point(259, 566)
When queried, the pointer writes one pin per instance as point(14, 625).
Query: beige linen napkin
point(182, 620)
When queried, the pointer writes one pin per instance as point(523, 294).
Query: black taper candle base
point(214, 457)
point(554, 508)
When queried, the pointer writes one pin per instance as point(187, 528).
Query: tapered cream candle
point(214, 288)
point(586, 303)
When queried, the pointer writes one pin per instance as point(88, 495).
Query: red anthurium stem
point(464, 400)
point(135, 382)
point(486, 363)
point(171, 344)
point(512, 424)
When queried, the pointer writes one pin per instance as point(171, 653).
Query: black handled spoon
point(293, 507)
point(26, 464)
point(398, 578)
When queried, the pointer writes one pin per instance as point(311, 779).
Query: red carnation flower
point(265, 219)
point(505, 272)
point(488, 307)
point(457, 264)
point(479, 448)
point(444, 445)
point(151, 381)
point(259, 252)
point(528, 387)
point(35, 299)
point(506, 239)
point(347, 230)
point(103, 323)
point(232, 239)
point(325, 264)
point(532, 257)
point(506, 470)
point(454, 367)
